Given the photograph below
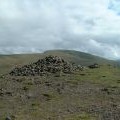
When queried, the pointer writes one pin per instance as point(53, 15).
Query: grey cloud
point(39, 25)
point(104, 46)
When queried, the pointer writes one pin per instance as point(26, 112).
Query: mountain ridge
point(9, 61)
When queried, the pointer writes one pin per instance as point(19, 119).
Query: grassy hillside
point(79, 57)
point(9, 61)
point(91, 94)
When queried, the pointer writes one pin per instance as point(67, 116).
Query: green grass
point(80, 91)
point(82, 116)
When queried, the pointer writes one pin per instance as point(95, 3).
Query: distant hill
point(79, 57)
point(118, 62)
point(7, 62)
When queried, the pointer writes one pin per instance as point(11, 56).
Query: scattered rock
point(106, 90)
point(9, 93)
point(1, 92)
point(94, 66)
point(82, 74)
point(8, 118)
point(25, 88)
point(29, 96)
point(2, 76)
point(47, 96)
point(118, 81)
point(59, 90)
point(48, 84)
point(12, 117)
point(103, 76)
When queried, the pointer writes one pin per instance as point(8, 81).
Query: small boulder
point(8, 118)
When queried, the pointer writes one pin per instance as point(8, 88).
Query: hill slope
point(9, 61)
point(89, 94)
point(79, 57)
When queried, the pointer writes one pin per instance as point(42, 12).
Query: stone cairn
point(50, 64)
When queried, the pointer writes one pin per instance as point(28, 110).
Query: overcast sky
point(91, 26)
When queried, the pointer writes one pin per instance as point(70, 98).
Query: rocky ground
point(57, 99)
point(90, 94)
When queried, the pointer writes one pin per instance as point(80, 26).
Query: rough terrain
point(88, 94)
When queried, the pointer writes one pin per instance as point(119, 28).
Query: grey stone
point(8, 118)
point(49, 64)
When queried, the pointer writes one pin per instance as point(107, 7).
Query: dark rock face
point(50, 64)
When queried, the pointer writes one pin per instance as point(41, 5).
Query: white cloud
point(89, 25)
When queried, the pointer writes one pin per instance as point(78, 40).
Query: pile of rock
point(94, 66)
point(50, 64)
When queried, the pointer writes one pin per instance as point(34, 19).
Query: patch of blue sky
point(115, 6)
